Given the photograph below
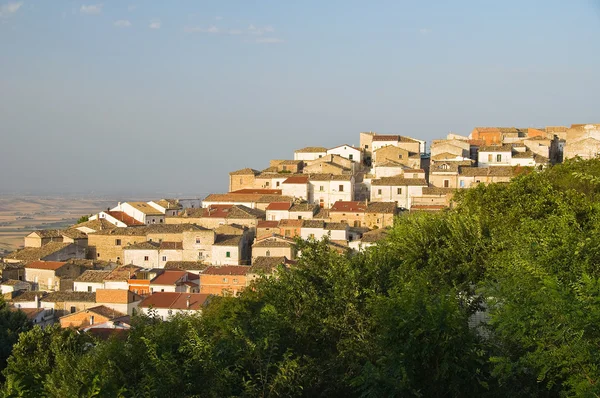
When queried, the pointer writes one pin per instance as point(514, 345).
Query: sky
point(157, 97)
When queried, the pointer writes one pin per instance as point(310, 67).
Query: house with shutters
point(326, 189)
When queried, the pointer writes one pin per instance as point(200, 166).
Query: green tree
point(12, 323)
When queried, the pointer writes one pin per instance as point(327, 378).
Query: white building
point(326, 189)
point(494, 155)
point(397, 189)
point(310, 153)
point(168, 304)
point(347, 152)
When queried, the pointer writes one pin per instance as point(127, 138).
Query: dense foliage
point(396, 320)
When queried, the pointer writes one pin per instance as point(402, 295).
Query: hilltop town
point(172, 255)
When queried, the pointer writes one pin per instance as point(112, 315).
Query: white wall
point(295, 190)
point(219, 255)
point(276, 215)
point(347, 152)
point(483, 159)
point(306, 156)
point(83, 286)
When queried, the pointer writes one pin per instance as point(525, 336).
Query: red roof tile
point(296, 180)
point(350, 206)
point(49, 265)
point(173, 300)
point(171, 245)
point(124, 217)
point(267, 224)
point(279, 206)
point(169, 277)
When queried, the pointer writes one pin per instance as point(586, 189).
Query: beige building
point(582, 140)
point(229, 250)
point(244, 178)
point(47, 275)
point(274, 246)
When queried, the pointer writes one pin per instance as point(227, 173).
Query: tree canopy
point(400, 319)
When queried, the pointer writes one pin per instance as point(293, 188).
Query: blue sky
point(168, 97)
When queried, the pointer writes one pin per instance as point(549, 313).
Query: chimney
point(187, 302)
point(37, 301)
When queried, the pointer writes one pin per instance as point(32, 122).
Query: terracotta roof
point(70, 296)
point(37, 253)
point(99, 310)
point(185, 265)
point(123, 273)
point(31, 313)
point(258, 191)
point(175, 301)
point(142, 246)
point(399, 181)
point(145, 208)
point(47, 265)
point(171, 245)
point(267, 224)
point(228, 240)
point(246, 171)
point(296, 180)
point(382, 207)
point(168, 277)
point(290, 223)
point(311, 149)
point(279, 206)
point(93, 276)
point(348, 206)
point(226, 270)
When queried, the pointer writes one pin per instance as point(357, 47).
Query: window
point(98, 254)
point(161, 220)
point(357, 223)
point(299, 217)
point(197, 240)
point(287, 232)
point(268, 253)
point(225, 280)
point(154, 221)
point(91, 319)
point(267, 183)
point(350, 156)
point(89, 289)
point(228, 254)
point(490, 157)
point(446, 183)
point(241, 182)
point(445, 166)
point(341, 188)
point(462, 183)
point(235, 280)
point(498, 158)
point(379, 192)
point(277, 184)
point(145, 258)
point(366, 147)
point(378, 221)
point(73, 309)
point(284, 168)
point(400, 156)
point(164, 258)
point(162, 290)
point(320, 156)
point(117, 242)
point(321, 188)
point(415, 175)
point(399, 191)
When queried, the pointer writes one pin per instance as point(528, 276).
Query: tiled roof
point(258, 191)
point(226, 270)
point(336, 226)
point(171, 245)
point(96, 225)
point(344, 145)
point(438, 191)
point(99, 310)
point(313, 223)
point(274, 198)
point(47, 265)
point(523, 155)
point(70, 296)
point(270, 242)
point(169, 204)
point(266, 264)
point(382, 207)
point(12, 282)
point(29, 296)
point(267, 224)
point(142, 246)
point(279, 206)
point(496, 148)
point(388, 137)
point(228, 240)
point(290, 223)
point(493, 171)
point(93, 276)
point(168, 277)
point(229, 197)
point(123, 231)
point(123, 273)
point(185, 265)
point(48, 233)
point(145, 208)
point(304, 207)
point(175, 301)
point(399, 181)
point(74, 234)
point(348, 206)
point(311, 149)
point(330, 177)
point(246, 171)
point(296, 180)
point(428, 207)
point(374, 236)
point(37, 253)
point(321, 214)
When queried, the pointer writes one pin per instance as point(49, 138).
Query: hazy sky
point(169, 96)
